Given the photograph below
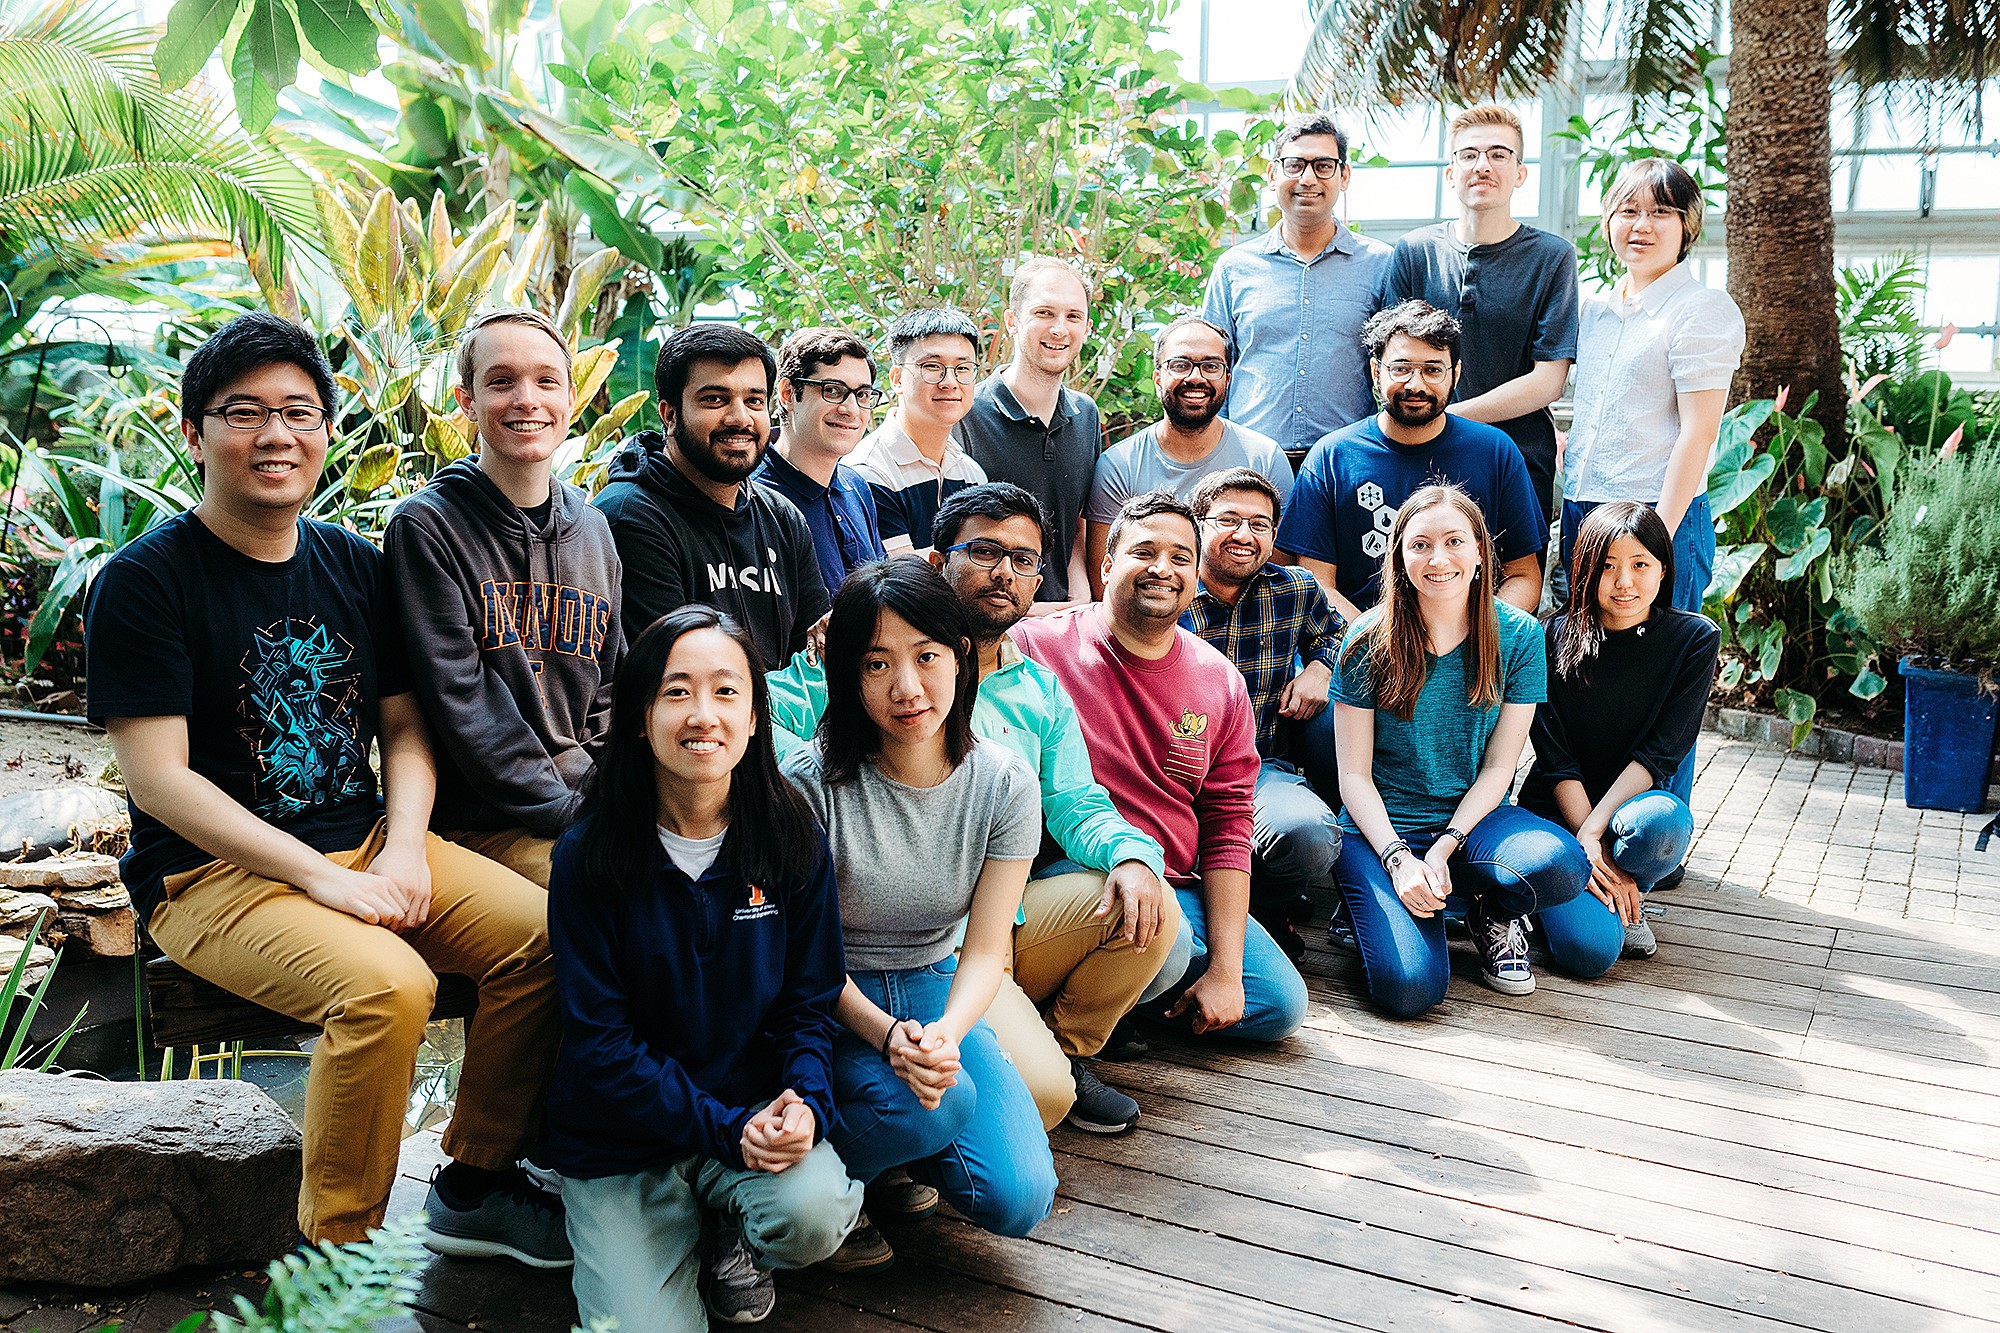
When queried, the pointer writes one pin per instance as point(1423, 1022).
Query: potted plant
point(1929, 588)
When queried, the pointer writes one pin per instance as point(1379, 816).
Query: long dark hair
point(774, 842)
point(920, 595)
point(1582, 632)
point(1397, 642)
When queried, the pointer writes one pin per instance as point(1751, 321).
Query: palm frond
point(93, 151)
point(1661, 42)
point(1362, 51)
point(1949, 47)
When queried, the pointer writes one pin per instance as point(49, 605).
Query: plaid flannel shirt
point(1281, 622)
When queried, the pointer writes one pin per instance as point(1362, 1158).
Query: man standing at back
point(1028, 428)
point(1293, 299)
point(688, 525)
point(826, 386)
point(1511, 287)
point(911, 461)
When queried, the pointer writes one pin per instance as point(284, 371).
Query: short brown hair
point(1487, 113)
point(1150, 504)
point(819, 348)
point(1216, 484)
point(468, 343)
point(1663, 181)
point(1032, 267)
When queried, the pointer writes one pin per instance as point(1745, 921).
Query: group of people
point(812, 813)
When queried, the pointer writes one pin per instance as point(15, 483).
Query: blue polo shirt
point(1300, 367)
point(1354, 480)
point(841, 516)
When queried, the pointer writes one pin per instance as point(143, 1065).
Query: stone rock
point(18, 911)
point(111, 1183)
point(70, 870)
point(97, 898)
point(40, 821)
point(113, 933)
point(40, 960)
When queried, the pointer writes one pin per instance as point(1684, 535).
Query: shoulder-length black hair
point(920, 595)
point(1582, 631)
point(773, 838)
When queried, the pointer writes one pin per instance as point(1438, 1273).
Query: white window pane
point(1249, 40)
point(1394, 192)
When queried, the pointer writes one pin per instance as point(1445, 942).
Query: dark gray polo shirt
point(1051, 460)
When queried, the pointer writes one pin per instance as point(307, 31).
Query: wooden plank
point(919, 1295)
point(1890, 1002)
point(1953, 976)
point(1422, 1262)
point(1969, 946)
point(1508, 1252)
point(183, 1009)
point(1461, 1181)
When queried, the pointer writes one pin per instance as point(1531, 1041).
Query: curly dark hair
point(1416, 319)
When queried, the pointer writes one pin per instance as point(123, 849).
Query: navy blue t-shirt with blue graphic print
point(278, 667)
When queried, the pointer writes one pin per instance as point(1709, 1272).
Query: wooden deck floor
point(1785, 1120)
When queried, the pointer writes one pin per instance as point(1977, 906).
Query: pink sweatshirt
point(1174, 741)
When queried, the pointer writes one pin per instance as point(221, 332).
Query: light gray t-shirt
point(1137, 464)
point(906, 858)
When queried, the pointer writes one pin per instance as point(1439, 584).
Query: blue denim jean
point(982, 1147)
point(1512, 864)
point(1647, 838)
point(1274, 994)
point(1293, 837)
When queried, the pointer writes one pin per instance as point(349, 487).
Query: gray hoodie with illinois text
point(513, 633)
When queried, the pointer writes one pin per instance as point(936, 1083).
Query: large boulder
point(110, 1183)
point(35, 823)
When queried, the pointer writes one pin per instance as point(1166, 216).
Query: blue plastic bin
point(1948, 734)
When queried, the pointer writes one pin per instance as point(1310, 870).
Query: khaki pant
point(519, 850)
point(1074, 976)
point(371, 990)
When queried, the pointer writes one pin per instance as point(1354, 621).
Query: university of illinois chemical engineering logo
point(758, 906)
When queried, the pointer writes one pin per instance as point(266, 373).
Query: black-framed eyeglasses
point(988, 555)
point(254, 416)
point(1211, 367)
point(1500, 156)
point(837, 392)
point(1260, 527)
point(1326, 168)
point(936, 372)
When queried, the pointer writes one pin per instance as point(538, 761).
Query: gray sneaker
point(736, 1290)
point(1099, 1109)
point(894, 1193)
point(524, 1224)
point(1639, 941)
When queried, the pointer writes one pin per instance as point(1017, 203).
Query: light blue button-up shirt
point(1300, 368)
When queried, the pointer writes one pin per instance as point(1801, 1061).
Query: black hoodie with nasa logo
point(513, 631)
point(678, 546)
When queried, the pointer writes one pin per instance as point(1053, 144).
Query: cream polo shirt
point(1633, 358)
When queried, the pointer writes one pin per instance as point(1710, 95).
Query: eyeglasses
point(1212, 368)
point(1323, 167)
point(837, 392)
point(1432, 373)
point(936, 372)
point(253, 416)
point(1259, 527)
point(988, 555)
point(1499, 156)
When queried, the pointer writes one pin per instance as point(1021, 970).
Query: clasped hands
point(925, 1057)
point(780, 1135)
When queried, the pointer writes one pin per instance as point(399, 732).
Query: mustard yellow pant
point(519, 850)
point(371, 990)
point(1074, 977)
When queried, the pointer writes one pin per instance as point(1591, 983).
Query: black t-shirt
point(278, 668)
point(1642, 699)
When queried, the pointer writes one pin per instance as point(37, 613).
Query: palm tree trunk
point(1780, 218)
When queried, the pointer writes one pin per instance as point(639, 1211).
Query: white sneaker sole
point(467, 1247)
point(1506, 987)
point(1075, 1121)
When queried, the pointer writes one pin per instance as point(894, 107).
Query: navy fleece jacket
point(687, 1007)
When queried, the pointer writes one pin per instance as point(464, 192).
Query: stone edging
point(1830, 743)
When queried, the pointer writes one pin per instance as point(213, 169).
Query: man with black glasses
point(912, 462)
point(1192, 360)
point(826, 389)
point(1511, 287)
point(1293, 299)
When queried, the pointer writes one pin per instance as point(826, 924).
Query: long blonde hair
point(1397, 642)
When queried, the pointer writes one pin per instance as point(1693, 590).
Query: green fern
point(1879, 328)
point(335, 1288)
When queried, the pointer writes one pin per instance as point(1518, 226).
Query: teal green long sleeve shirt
point(1022, 705)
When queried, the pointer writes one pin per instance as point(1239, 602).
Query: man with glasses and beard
point(1294, 298)
point(826, 387)
point(688, 525)
point(1337, 523)
point(1192, 364)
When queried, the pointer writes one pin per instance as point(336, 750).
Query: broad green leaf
point(1801, 560)
point(449, 26)
point(496, 225)
point(441, 244)
point(1868, 684)
point(1786, 524)
point(256, 98)
point(373, 469)
point(586, 280)
point(1797, 708)
point(609, 225)
point(1731, 674)
point(1812, 444)
point(1733, 443)
point(378, 259)
point(534, 252)
point(608, 425)
point(83, 558)
point(342, 33)
point(272, 35)
point(589, 372)
point(448, 438)
point(1771, 651)
point(194, 29)
point(1727, 492)
point(711, 14)
point(471, 285)
point(1732, 563)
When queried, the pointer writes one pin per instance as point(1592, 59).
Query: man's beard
point(1195, 420)
point(989, 622)
point(711, 465)
point(1414, 416)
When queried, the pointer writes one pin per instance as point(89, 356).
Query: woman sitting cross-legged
point(930, 828)
point(1437, 685)
point(694, 921)
point(1630, 677)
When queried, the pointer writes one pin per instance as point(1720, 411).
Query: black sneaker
point(1127, 1042)
point(1099, 1109)
point(520, 1222)
point(734, 1288)
point(1673, 878)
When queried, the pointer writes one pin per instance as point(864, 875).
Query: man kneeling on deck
point(244, 660)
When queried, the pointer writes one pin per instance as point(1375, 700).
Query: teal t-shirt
point(1423, 767)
